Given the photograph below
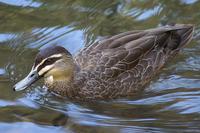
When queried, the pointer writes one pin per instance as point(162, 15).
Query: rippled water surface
point(171, 103)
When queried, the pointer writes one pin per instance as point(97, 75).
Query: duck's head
point(53, 63)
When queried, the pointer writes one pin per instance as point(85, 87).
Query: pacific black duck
point(118, 66)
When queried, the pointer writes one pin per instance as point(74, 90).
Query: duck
point(116, 67)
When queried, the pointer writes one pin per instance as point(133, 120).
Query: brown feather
point(121, 65)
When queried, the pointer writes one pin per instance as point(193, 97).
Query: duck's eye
point(49, 60)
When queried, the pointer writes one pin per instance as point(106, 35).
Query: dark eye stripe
point(47, 62)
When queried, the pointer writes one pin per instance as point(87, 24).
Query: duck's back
point(122, 64)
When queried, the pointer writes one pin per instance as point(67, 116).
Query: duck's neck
point(62, 81)
point(62, 87)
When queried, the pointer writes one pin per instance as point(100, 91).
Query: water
point(169, 104)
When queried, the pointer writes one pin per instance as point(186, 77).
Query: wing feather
point(131, 54)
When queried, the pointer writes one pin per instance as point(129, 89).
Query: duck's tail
point(181, 34)
point(173, 37)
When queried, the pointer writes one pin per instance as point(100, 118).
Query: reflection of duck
point(115, 67)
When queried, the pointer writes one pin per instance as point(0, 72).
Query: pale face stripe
point(53, 56)
point(47, 67)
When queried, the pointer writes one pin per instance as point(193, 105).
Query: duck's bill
point(27, 81)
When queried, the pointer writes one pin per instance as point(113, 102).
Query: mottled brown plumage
point(119, 66)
